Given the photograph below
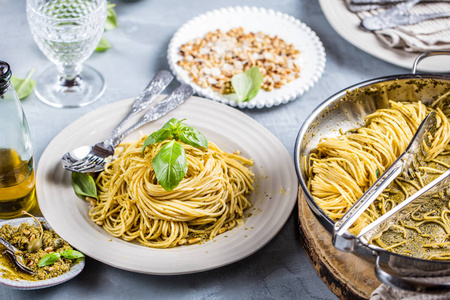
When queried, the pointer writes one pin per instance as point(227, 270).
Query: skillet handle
point(395, 280)
point(424, 55)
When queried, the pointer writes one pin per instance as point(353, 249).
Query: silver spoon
point(87, 159)
point(11, 251)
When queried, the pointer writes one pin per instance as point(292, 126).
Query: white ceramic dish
point(253, 19)
point(346, 25)
point(272, 202)
point(34, 285)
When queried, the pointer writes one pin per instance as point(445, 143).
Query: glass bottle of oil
point(17, 181)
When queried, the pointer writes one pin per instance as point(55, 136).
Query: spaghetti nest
point(210, 199)
point(343, 168)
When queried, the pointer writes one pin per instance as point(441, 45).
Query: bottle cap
point(5, 75)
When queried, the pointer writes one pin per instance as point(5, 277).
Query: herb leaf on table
point(23, 87)
point(103, 45)
point(110, 24)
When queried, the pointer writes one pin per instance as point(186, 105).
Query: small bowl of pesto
point(49, 259)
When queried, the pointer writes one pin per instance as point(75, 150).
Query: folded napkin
point(384, 292)
point(430, 35)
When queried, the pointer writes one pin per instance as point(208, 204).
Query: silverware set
point(88, 159)
point(395, 15)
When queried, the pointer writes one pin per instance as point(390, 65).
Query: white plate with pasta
point(272, 200)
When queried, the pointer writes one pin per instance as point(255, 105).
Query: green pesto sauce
point(20, 238)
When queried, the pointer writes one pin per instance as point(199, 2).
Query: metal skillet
point(346, 110)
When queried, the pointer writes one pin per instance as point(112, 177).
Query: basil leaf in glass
point(72, 254)
point(103, 45)
point(84, 185)
point(111, 17)
point(170, 165)
point(247, 84)
point(192, 136)
point(23, 87)
point(49, 259)
point(156, 137)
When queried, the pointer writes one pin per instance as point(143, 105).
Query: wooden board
point(348, 276)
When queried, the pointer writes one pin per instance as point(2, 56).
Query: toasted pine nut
point(222, 230)
point(26, 232)
point(48, 249)
point(32, 237)
point(99, 223)
point(182, 242)
point(193, 241)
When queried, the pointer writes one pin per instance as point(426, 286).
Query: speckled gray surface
point(280, 270)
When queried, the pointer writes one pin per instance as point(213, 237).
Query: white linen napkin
point(428, 35)
point(384, 292)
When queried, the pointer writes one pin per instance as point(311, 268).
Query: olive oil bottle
point(17, 180)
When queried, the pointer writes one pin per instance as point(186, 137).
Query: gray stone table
point(280, 270)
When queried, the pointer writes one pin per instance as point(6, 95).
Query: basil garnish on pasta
point(170, 163)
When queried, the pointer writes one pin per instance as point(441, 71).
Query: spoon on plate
point(11, 251)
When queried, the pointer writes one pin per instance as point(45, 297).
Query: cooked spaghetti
point(210, 199)
point(343, 168)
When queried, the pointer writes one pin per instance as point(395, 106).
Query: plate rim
point(42, 173)
point(346, 23)
point(209, 93)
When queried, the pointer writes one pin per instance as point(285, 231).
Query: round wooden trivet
point(348, 276)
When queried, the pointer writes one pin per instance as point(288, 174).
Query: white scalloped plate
point(253, 19)
point(272, 201)
point(34, 285)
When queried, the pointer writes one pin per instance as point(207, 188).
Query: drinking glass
point(67, 32)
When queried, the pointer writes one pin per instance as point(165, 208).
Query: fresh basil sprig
point(72, 254)
point(247, 84)
point(111, 17)
point(170, 163)
point(84, 185)
point(110, 24)
point(51, 258)
point(103, 45)
point(23, 87)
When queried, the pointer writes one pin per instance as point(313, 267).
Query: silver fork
point(87, 159)
point(376, 23)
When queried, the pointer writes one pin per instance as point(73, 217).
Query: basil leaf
point(23, 87)
point(72, 254)
point(103, 45)
point(156, 137)
point(173, 124)
point(247, 84)
point(111, 17)
point(170, 165)
point(49, 259)
point(84, 185)
point(192, 136)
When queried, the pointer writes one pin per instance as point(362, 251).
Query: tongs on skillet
point(407, 163)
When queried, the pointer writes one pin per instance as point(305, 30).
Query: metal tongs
point(406, 164)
